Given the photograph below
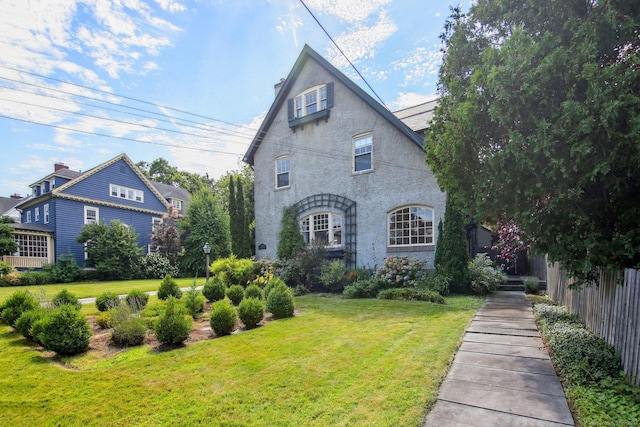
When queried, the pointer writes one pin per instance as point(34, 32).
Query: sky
point(82, 81)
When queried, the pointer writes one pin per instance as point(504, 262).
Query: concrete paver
point(502, 374)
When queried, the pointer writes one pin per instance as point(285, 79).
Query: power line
point(115, 94)
point(345, 56)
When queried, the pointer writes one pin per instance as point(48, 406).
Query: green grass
point(337, 363)
point(93, 289)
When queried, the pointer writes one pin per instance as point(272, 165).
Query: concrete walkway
point(502, 374)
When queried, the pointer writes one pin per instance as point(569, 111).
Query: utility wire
point(345, 56)
point(116, 95)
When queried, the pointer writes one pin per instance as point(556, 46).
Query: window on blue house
point(126, 193)
point(46, 213)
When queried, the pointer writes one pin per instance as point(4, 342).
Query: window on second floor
point(362, 151)
point(177, 203)
point(312, 103)
point(28, 217)
point(46, 213)
point(126, 193)
point(91, 215)
point(37, 213)
point(283, 167)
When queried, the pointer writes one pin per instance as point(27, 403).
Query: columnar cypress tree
point(245, 238)
point(290, 237)
point(452, 255)
point(233, 218)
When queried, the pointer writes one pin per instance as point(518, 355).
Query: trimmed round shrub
point(272, 283)
point(65, 297)
point(16, 304)
point(223, 318)
point(174, 324)
point(27, 319)
point(107, 300)
point(253, 291)
point(235, 293)
point(215, 289)
point(137, 299)
point(129, 329)
point(65, 331)
point(280, 302)
point(169, 288)
point(361, 288)
point(251, 311)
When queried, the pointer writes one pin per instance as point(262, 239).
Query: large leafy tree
point(161, 171)
point(203, 223)
point(165, 238)
point(539, 121)
point(8, 245)
point(111, 249)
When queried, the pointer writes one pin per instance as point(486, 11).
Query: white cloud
point(171, 6)
point(360, 42)
point(418, 64)
point(348, 10)
point(409, 99)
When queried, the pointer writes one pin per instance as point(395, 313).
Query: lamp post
point(207, 250)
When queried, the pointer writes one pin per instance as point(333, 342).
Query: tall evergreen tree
point(244, 236)
point(290, 237)
point(233, 219)
point(452, 254)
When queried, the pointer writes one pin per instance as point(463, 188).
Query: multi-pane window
point(315, 99)
point(37, 212)
point(31, 245)
point(283, 167)
point(91, 215)
point(362, 149)
point(411, 225)
point(176, 203)
point(46, 213)
point(324, 228)
point(126, 193)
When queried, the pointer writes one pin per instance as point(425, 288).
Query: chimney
point(278, 86)
point(16, 196)
point(59, 166)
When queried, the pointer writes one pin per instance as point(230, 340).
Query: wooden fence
point(611, 310)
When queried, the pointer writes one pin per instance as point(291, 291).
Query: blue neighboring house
point(66, 200)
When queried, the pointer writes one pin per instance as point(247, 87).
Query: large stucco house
point(65, 200)
point(354, 171)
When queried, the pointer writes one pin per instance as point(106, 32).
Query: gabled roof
point(307, 54)
point(171, 192)
point(418, 116)
point(7, 203)
point(64, 173)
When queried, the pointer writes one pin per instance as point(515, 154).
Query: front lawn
point(93, 289)
point(338, 362)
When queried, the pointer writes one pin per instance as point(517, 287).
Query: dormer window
point(312, 104)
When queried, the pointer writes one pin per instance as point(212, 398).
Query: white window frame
point(177, 203)
point(37, 213)
point(283, 166)
point(406, 231)
point(87, 220)
point(28, 217)
point(46, 213)
point(310, 101)
point(362, 146)
point(122, 192)
point(312, 224)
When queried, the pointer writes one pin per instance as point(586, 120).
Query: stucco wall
point(321, 162)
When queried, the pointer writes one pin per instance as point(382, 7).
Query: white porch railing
point(25, 262)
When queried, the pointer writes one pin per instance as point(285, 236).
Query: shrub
point(169, 288)
point(332, 275)
point(581, 356)
point(235, 293)
point(531, 286)
point(103, 320)
point(11, 279)
point(363, 288)
point(485, 276)
point(16, 304)
point(65, 331)
point(27, 319)
point(65, 297)
point(129, 329)
point(194, 301)
point(137, 299)
point(215, 289)
point(173, 325)
point(66, 270)
point(234, 271)
point(411, 294)
point(5, 268)
point(272, 283)
point(400, 272)
point(157, 266)
point(547, 315)
point(253, 291)
point(280, 302)
point(223, 318)
point(251, 311)
point(107, 300)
